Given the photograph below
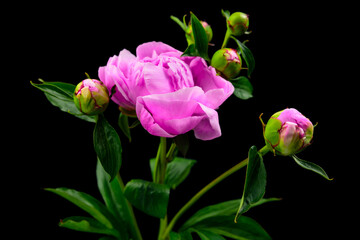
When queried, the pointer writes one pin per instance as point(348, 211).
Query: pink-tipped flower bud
point(91, 97)
point(227, 61)
point(288, 132)
point(238, 23)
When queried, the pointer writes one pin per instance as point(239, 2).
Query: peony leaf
point(227, 208)
point(207, 235)
point(176, 172)
point(151, 198)
point(86, 224)
point(123, 123)
point(247, 55)
point(243, 88)
point(224, 209)
point(200, 48)
point(60, 95)
point(245, 228)
point(311, 166)
point(225, 13)
point(180, 23)
point(87, 203)
point(107, 146)
point(255, 182)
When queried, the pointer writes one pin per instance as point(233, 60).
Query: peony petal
point(147, 120)
point(174, 113)
point(156, 80)
point(209, 127)
point(215, 87)
point(175, 105)
point(153, 49)
point(294, 116)
point(110, 76)
point(124, 61)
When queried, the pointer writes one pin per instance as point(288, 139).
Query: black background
point(299, 63)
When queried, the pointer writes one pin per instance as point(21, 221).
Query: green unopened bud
point(288, 132)
point(91, 97)
point(190, 35)
point(227, 61)
point(238, 23)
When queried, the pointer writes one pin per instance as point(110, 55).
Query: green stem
point(197, 196)
point(170, 154)
point(135, 231)
point(226, 39)
point(160, 174)
point(163, 161)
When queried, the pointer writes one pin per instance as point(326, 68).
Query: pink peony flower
point(170, 94)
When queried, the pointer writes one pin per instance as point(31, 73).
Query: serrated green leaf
point(151, 198)
point(311, 166)
point(60, 95)
point(86, 224)
point(176, 172)
point(107, 146)
point(243, 88)
point(255, 181)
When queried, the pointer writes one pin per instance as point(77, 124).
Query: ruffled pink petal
point(209, 127)
point(216, 88)
point(124, 61)
point(111, 76)
point(148, 122)
point(156, 80)
point(294, 116)
point(153, 49)
point(176, 113)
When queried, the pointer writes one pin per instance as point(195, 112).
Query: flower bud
point(238, 23)
point(91, 97)
point(227, 61)
point(190, 36)
point(288, 132)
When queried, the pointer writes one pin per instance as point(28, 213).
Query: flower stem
point(197, 196)
point(160, 173)
point(163, 161)
point(226, 39)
